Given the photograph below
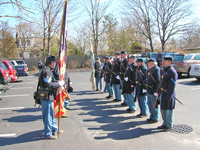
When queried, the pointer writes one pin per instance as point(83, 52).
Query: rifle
point(173, 97)
point(135, 98)
point(158, 91)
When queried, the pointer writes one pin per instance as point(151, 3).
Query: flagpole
point(61, 87)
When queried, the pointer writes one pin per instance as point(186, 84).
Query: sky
point(114, 9)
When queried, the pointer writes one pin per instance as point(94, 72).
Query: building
point(193, 47)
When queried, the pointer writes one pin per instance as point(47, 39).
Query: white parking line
point(15, 95)
point(24, 82)
point(19, 88)
point(195, 89)
point(11, 108)
point(7, 135)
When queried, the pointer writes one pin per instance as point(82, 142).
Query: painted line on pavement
point(24, 82)
point(12, 108)
point(15, 95)
point(7, 135)
point(196, 89)
point(19, 88)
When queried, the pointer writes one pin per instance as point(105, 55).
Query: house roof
point(193, 45)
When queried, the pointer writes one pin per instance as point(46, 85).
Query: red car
point(4, 74)
point(12, 71)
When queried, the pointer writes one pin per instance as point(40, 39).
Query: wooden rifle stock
point(135, 98)
point(157, 102)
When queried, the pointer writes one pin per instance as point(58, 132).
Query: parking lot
point(95, 122)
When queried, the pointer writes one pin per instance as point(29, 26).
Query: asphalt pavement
point(95, 123)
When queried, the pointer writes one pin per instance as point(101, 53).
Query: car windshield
point(178, 58)
point(3, 67)
point(20, 62)
point(11, 65)
point(188, 57)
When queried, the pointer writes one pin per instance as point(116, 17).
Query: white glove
point(117, 77)
point(70, 83)
point(126, 79)
point(144, 91)
point(155, 94)
point(61, 83)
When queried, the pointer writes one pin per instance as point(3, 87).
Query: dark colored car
point(20, 67)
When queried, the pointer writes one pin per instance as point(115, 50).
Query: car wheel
point(198, 79)
point(188, 73)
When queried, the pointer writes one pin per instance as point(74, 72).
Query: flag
point(61, 94)
point(93, 71)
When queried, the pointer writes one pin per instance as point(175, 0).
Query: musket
point(158, 91)
point(173, 97)
point(135, 98)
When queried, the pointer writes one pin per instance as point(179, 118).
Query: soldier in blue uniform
point(98, 66)
point(168, 82)
point(129, 84)
point(105, 88)
point(108, 67)
point(115, 79)
point(48, 82)
point(140, 88)
point(152, 83)
point(124, 67)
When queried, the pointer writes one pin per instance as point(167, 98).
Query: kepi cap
point(123, 52)
point(168, 57)
point(97, 58)
point(131, 56)
point(117, 53)
point(152, 60)
point(140, 60)
point(51, 58)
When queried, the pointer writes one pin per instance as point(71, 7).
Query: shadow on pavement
point(25, 118)
point(190, 83)
point(36, 74)
point(84, 93)
point(116, 127)
point(128, 134)
point(24, 138)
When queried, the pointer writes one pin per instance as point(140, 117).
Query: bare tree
point(50, 12)
point(26, 34)
point(139, 13)
point(19, 6)
point(96, 11)
point(171, 17)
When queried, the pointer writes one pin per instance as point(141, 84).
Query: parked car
point(12, 71)
point(20, 67)
point(183, 62)
point(4, 74)
point(195, 71)
point(159, 57)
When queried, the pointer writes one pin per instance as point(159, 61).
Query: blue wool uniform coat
point(169, 78)
point(124, 67)
point(47, 80)
point(98, 70)
point(141, 77)
point(108, 68)
point(115, 71)
point(130, 73)
point(152, 81)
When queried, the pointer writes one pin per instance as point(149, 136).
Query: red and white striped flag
point(62, 59)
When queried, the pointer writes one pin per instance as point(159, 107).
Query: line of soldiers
point(135, 82)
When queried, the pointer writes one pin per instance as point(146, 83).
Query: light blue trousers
point(50, 125)
point(142, 102)
point(117, 91)
point(167, 116)
point(98, 81)
point(154, 113)
point(130, 99)
point(66, 103)
point(125, 100)
point(110, 89)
